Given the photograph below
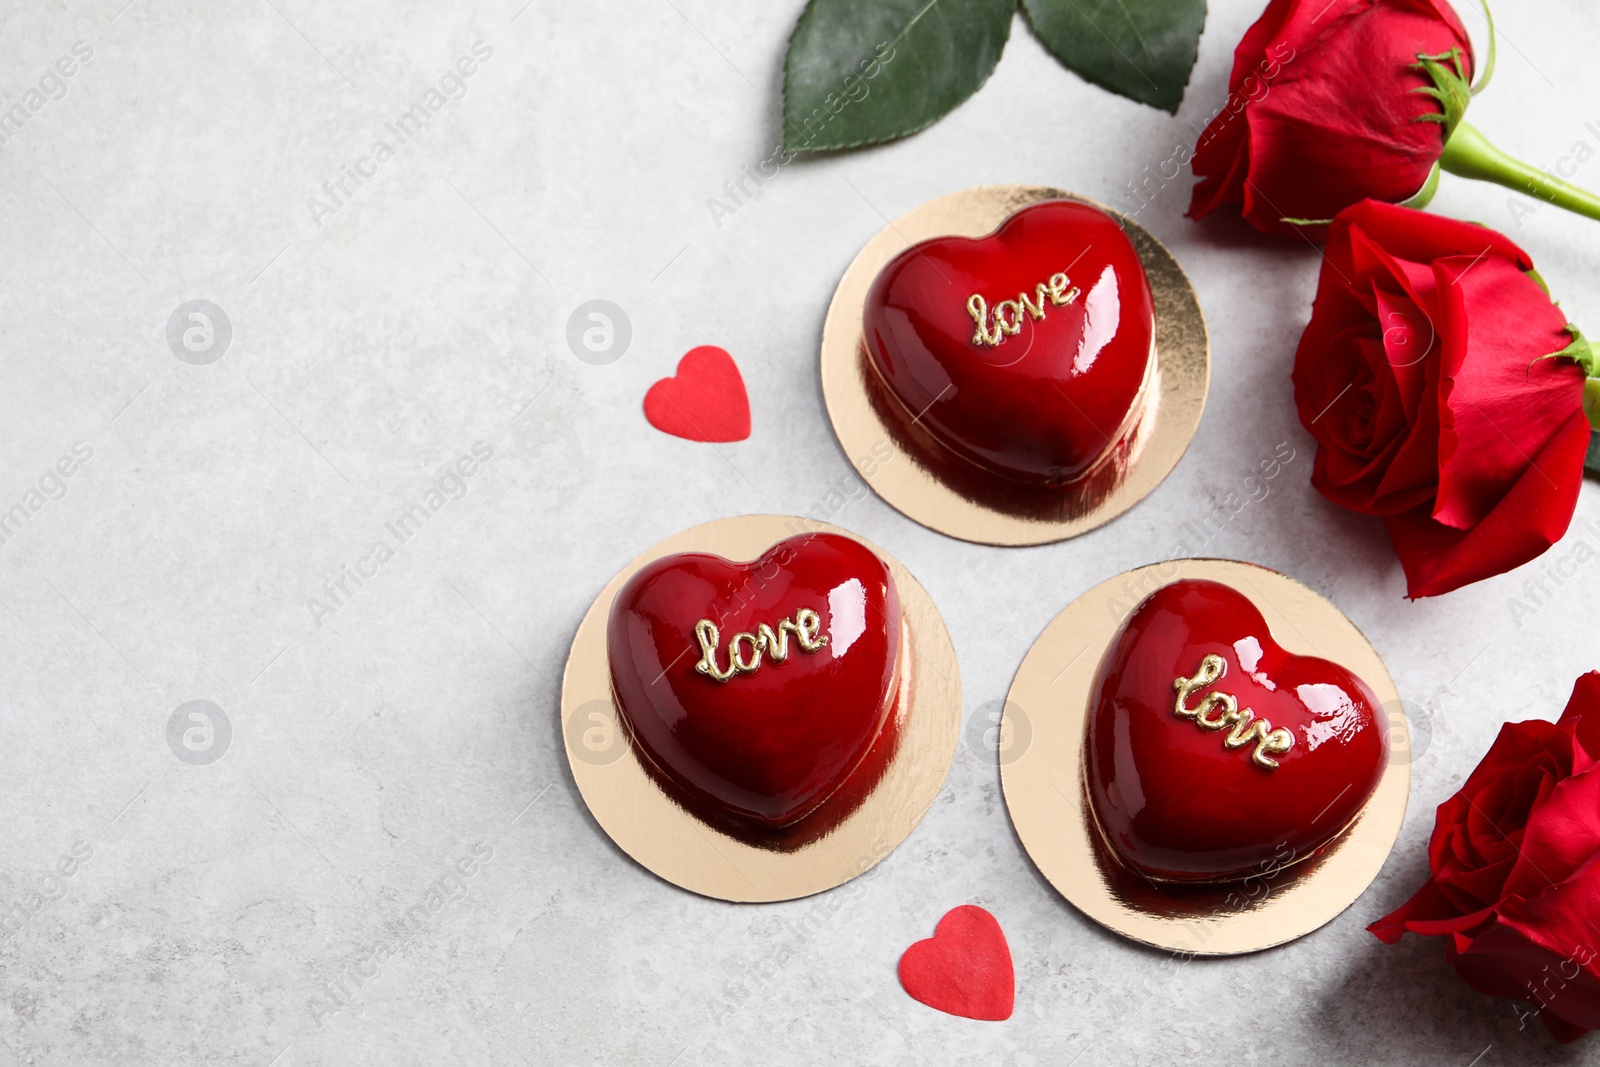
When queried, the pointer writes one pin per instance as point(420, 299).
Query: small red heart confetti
point(704, 401)
point(964, 968)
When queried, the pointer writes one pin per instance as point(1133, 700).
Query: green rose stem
point(1469, 154)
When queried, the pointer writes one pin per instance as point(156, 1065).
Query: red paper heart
point(765, 751)
point(1045, 405)
point(1171, 797)
point(704, 401)
point(964, 968)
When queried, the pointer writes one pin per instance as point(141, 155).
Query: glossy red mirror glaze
point(1042, 405)
point(772, 745)
point(1173, 800)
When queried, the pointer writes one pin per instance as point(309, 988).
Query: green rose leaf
point(1591, 463)
point(1143, 49)
point(863, 71)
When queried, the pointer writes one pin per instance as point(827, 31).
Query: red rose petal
point(1222, 154)
point(1500, 402)
point(1563, 834)
point(1523, 525)
point(1427, 907)
point(1583, 713)
point(1543, 949)
point(1473, 890)
point(1421, 236)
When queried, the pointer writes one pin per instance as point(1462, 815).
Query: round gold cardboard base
point(653, 829)
point(1049, 704)
point(1181, 377)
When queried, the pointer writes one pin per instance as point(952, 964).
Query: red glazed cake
point(762, 695)
point(1212, 753)
point(1024, 354)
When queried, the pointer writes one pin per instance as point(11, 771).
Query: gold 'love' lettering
point(1008, 314)
point(746, 649)
point(1221, 711)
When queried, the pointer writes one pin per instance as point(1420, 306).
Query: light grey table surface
point(372, 749)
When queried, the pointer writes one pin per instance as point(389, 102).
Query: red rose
point(1420, 376)
point(1515, 857)
point(1328, 105)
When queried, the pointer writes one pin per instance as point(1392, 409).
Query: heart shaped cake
point(1024, 353)
point(1212, 753)
point(761, 695)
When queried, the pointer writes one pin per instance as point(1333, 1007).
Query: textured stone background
point(416, 726)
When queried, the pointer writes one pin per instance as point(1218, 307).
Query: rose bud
point(1424, 378)
point(1334, 102)
point(1515, 883)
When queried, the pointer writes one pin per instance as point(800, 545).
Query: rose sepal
point(1583, 352)
point(1451, 89)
